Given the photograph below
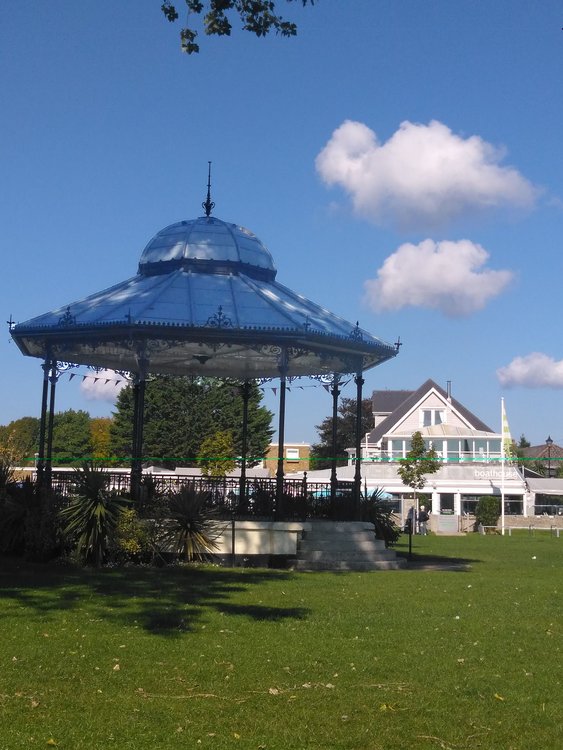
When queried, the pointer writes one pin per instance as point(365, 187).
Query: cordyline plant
point(377, 510)
point(93, 514)
point(190, 530)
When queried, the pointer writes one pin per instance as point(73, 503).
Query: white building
point(469, 450)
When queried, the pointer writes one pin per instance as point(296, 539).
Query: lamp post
point(549, 443)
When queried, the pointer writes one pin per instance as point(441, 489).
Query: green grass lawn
point(214, 658)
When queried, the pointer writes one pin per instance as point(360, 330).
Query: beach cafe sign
point(496, 474)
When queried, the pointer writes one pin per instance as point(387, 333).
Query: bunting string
point(274, 389)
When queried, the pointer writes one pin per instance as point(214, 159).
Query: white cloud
point(447, 276)
point(535, 370)
point(423, 177)
point(104, 386)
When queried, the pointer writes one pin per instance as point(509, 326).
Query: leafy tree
point(257, 16)
point(100, 436)
point(71, 437)
point(418, 462)
point(180, 412)
point(321, 452)
point(523, 443)
point(487, 510)
point(21, 438)
point(216, 454)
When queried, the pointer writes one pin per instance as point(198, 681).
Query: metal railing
point(300, 499)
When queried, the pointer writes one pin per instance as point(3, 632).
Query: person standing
point(423, 520)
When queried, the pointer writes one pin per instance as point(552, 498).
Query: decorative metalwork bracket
point(68, 319)
point(356, 333)
point(219, 320)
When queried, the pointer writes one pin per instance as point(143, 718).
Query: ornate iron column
point(245, 392)
point(281, 433)
point(335, 392)
point(358, 470)
point(46, 366)
point(53, 377)
point(138, 425)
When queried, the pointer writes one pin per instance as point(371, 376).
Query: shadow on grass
point(164, 601)
point(419, 561)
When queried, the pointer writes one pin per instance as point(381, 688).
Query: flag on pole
point(506, 454)
point(507, 446)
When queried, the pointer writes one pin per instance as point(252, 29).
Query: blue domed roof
point(205, 239)
point(205, 301)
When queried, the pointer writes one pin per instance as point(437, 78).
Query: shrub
point(93, 515)
point(380, 513)
point(191, 529)
point(29, 522)
point(487, 511)
point(131, 541)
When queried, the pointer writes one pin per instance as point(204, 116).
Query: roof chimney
point(449, 389)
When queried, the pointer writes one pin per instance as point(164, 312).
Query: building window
point(397, 448)
point(431, 417)
point(292, 454)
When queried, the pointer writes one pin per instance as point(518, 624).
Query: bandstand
point(205, 301)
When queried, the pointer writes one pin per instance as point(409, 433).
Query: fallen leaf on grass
point(52, 742)
point(274, 691)
point(499, 697)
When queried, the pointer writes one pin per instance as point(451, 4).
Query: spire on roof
point(208, 204)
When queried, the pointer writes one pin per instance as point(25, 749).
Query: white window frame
point(433, 412)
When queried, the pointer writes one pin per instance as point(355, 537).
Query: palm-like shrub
point(379, 512)
point(93, 515)
point(191, 529)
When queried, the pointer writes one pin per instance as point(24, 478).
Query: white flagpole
point(502, 462)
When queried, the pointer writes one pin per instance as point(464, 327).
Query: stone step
point(343, 565)
point(351, 562)
point(344, 552)
point(327, 545)
point(341, 545)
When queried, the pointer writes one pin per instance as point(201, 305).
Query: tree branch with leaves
point(418, 462)
point(260, 17)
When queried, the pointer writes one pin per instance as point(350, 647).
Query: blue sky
point(401, 159)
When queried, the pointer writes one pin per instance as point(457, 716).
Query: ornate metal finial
point(68, 319)
point(11, 323)
point(398, 344)
point(356, 333)
point(219, 320)
point(208, 204)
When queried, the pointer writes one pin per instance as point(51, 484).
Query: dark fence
point(300, 499)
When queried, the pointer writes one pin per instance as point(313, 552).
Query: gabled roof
point(410, 401)
point(385, 402)
point(543, 452)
